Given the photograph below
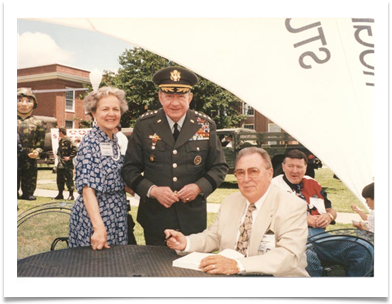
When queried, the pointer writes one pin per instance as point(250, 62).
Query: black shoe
point(28, 197)
point(59, 197)
point(71, 198)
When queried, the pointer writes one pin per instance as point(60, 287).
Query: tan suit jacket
point(281, 213)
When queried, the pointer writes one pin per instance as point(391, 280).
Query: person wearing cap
point(368, 195)
point(174, 160)
point(32, 137)
point(66, 152)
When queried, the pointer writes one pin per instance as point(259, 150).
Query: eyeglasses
point(252, 173)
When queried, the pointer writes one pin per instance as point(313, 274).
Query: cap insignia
point(175, 76)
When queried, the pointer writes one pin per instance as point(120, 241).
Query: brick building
point(257, 121)
point(57, 88)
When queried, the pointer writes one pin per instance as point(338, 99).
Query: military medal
point(152, 158)
point(154, 140)
point(204, 130)
point(197, 160)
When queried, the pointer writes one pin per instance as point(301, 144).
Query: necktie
point(245, 231)
point(176, 132)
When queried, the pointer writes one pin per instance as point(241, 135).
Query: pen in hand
point(170, 236)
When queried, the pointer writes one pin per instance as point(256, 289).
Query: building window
point(248, 110)
point(272, 127)
point(69, 124)
point(70, 100)
point(252, 127)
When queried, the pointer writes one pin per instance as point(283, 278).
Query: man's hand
point(33, 155)
point(66, 158)
point(323, 220)
point(312, 221)
point(165, 196)
point(175, 239)
point(188, 193)
point(218, 264)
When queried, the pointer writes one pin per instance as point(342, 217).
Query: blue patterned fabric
point(103, 174)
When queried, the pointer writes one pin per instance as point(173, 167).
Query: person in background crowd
point(65, 152)
point(31, 132)
point(122, 139)
point(368, 194)
point(18, 153)
point(76, 143)
point(319, 215)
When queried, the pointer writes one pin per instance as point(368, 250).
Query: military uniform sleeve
point(134, 163)
point(40, 138)
point(73, 148)
point(216, 166)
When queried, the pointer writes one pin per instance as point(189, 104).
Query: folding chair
point(341, 252)
point(42, 228)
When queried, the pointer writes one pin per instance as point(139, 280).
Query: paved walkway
point(343, 218)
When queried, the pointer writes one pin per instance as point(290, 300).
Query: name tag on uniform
point(106, 149)
point(267, 243)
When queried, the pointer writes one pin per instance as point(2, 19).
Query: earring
point(95, 122)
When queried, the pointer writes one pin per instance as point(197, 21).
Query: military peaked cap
point(175, 79)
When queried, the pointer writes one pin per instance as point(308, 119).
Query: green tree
point(135, 78)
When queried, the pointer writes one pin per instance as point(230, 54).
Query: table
point(118, 261)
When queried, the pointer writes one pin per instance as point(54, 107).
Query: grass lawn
point(37, 234)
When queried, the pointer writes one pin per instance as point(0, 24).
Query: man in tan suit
point(277, 226)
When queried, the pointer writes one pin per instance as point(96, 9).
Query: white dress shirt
point(180, 122)
point(122, 142)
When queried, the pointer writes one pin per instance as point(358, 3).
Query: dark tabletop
point(118, 261)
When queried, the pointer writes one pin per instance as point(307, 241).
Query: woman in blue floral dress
point(99, 216)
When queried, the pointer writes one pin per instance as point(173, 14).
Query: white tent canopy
point(313, 77)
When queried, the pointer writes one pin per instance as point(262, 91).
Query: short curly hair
point(92, 99)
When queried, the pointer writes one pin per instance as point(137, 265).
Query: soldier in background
point(66, 152)
point(32, 138)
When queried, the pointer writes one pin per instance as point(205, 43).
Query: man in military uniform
point(174, 160)
point(32, 137)
point(66, 152)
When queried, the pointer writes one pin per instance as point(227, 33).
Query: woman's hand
point(99, 239)
point(129, 190)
